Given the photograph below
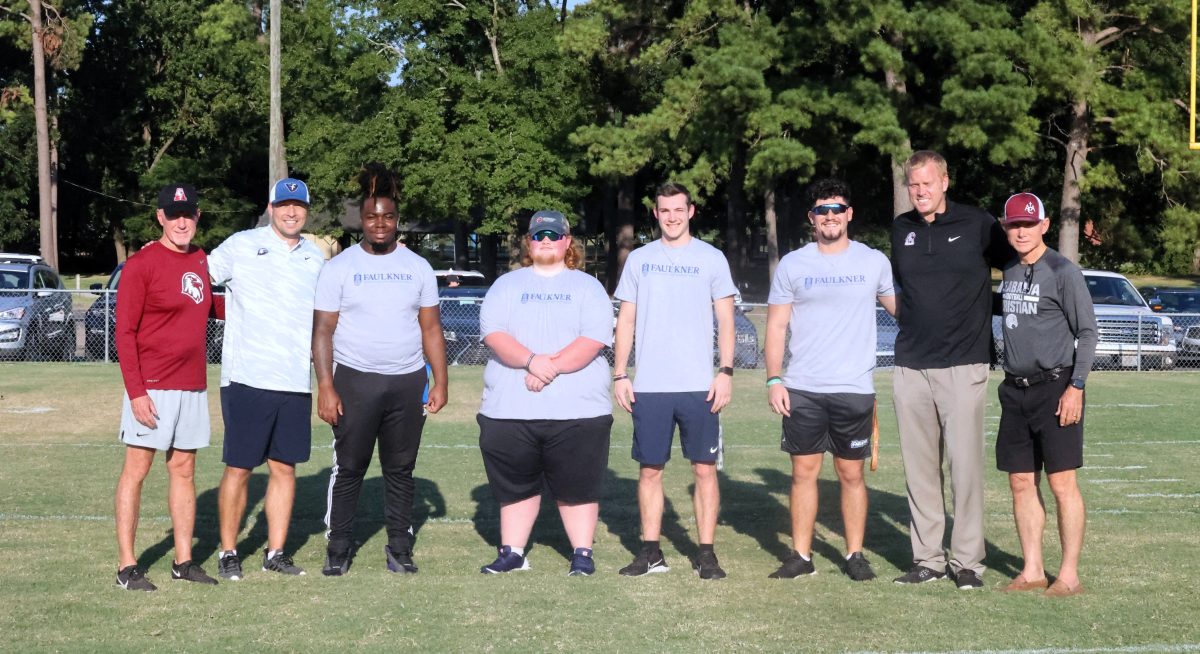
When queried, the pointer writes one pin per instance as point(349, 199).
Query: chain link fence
point(68, 325)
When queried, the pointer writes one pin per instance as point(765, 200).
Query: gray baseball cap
point(549, 221)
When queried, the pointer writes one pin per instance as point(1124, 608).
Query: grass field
point(59, 460)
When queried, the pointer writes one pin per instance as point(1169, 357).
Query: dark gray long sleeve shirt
point(1049, 320)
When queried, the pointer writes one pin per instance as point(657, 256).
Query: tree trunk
point(119, 246)
point(897, 86)
point(735, 217)
point(772, 233)
point(488, 246)
point(54, 181)
point(462, 253)
point(621, 235)
point(49, 245)
point(1069, 209)
point(278, 157)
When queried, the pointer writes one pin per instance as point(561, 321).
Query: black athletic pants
point(386, 408)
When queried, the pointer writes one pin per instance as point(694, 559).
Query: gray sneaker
point(229, 567)
point(281, 563)
point(131, 577)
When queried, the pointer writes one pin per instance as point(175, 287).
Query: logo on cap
point(292, 186)
point(1029, 208)
point(180, 196)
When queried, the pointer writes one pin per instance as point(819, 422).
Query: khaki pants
point(940, 412)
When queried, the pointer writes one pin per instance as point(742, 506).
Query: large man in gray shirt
point(1049, 345)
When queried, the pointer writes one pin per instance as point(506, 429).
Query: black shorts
point(1030, 438)
point(568, 456)
point(655, 416)
point(262, 424)
point(829, 422)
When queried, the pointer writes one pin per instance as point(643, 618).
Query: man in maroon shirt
point(162, 311)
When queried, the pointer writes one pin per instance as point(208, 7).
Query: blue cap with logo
point(289, 189)
point(549, 221)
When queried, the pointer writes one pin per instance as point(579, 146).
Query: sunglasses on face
point(826, 209)
point(547, 235)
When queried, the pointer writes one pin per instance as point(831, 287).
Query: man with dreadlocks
point(376, 314)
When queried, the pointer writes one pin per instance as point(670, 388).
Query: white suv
point(1130, 334)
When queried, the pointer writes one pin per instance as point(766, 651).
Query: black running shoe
point(229, 567)
point(919, 574)
point(794, 566)
point(400, 560)
point(648, 561)
point(191, 571)
point(337, 561)
point(967, 580)
point(281, 563)
point(131, 577)
point(858, 567)
point(706, 565)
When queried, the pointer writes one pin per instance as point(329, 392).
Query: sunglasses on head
point(825, 209)
point(547, 235)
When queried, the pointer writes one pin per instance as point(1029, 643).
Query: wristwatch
point(1077, 383)
point(725, 369)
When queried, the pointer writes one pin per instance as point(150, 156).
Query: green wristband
point(771, 381)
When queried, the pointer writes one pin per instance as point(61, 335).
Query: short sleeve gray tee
point(674, 290)
point(377, 298)
point(833, 321)
point(545, 314)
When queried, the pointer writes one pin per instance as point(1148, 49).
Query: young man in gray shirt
point(669, 292)
point(1049, 345)
point(826, 291)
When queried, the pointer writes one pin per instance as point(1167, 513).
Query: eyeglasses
point(547, 234)
point(825, 209)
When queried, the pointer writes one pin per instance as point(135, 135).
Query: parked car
point(35, 310)
point(1184, 306)
point(461, 283)
point(100, 322)
point(1130, 335)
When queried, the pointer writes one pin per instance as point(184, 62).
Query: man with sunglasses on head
point(942, 255)
point(669, 291)
point(826, 291)
point(546, 413)
point(1049, 345)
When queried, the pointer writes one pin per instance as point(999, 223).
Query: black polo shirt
point(943, 282)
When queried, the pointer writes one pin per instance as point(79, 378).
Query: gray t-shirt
point(377, 298)
point(674, 289)
point(1049, 319)
point(833, 316)
point(545, 314)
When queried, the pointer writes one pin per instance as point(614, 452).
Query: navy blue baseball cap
point(289, 189)
point(549, 221)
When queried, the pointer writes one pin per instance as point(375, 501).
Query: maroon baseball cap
point(1023, 209)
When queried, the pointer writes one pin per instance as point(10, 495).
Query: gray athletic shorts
point(182, 421)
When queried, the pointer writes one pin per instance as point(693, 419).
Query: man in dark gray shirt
point(1049, 345)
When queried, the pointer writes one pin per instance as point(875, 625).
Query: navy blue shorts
point(261, 425)
point(654, 418)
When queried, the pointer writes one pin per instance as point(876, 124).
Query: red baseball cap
point(1023, 209)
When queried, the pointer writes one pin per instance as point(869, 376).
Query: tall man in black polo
point(941, 255)
point(1049, 345)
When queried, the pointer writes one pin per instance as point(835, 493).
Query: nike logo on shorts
point(713, 450)
point(953, 239)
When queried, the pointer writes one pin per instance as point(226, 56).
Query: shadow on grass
point(620, 514)
point(308, 516)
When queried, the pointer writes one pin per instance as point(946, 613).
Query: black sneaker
point(582, 564)
point(399, 560)
point(131, 577)
point(706, 565)
point(191, 571)
point(858, 567)
point(646, 562)
point(281, 563)
point(793, 566)
point(919, 574)
point(229, 567)
point(506, 561)
point(337, 561)
point(967, 580)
